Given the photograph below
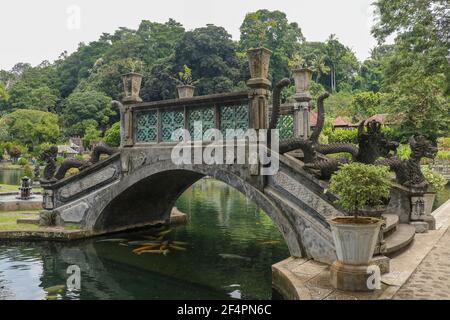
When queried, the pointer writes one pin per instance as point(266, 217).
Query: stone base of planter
point(350, 277)
point(430, 220)
point(421, 226)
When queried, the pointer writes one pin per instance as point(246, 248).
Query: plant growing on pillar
point(297, 62)
point(186, 84)
point(357, 187)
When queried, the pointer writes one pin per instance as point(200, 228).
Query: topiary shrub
point(360, 185)
point(28, 170)
point(22, 161)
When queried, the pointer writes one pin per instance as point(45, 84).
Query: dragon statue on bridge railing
point(52, 173)
point(372, 147)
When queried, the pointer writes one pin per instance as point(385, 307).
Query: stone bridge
point(139, 185)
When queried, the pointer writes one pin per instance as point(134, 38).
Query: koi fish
point(234, 256)
point(180, 243)
point(270, 242)
point(163, 233)
point(137, 250)
point(112, 240)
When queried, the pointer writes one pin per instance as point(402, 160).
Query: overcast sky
point(37, 30)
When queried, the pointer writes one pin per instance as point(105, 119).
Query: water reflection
point(230, 246)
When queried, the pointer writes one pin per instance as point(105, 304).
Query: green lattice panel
point(234, 117)
point(147, 126)
point(286, 126)
point(206, 117)
point(171, 121)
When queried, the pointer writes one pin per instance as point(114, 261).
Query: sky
point(37, 30)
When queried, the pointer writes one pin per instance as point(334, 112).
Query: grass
point(12, 188)
point(8, 188)
point(8, 220)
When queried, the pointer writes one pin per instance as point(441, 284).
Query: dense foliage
point(409, 80)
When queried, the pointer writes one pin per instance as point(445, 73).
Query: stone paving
point(431, 280)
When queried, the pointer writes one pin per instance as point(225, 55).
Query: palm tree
point(319, 66)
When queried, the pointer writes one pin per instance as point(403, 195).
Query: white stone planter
point(185, 91)
point(355, 242)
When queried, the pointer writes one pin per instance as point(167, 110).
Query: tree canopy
point(409, 78)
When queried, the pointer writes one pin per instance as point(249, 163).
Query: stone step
point(391, 223)
point(400, 238)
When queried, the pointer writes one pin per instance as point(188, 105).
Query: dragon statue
point(49, 156)
point(408, 172)
point(372, 143)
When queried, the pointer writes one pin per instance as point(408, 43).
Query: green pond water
point(230, 247)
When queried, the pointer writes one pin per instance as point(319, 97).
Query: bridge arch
point(149, 193)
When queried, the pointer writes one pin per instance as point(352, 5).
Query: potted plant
point(436, 183)
point(132, 79)
point(357, 186)
point(185, 82)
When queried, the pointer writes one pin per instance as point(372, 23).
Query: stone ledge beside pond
point(61, 234)
point(58, 234)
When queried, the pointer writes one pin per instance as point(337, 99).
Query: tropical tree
point(86, 108)
point(31, 127)
point(319, 67)
point(272, 30)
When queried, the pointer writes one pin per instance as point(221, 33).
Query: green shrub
point(79, 157)
point(72, 171)
point(444, 143)
point(341, 135)
point(112, 135)
point(403, 151)
point(434, 179)
point(59, 160)
point(22, 161)
point(28, 170)
point(442, 155)
point(359, 185)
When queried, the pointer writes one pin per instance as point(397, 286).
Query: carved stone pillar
point(132, 87)
point(126, 124)
point(259, 87)
point(258, 93)
point(302, 78)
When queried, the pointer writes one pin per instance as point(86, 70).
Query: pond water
point(230, 245)
point(10, 176)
